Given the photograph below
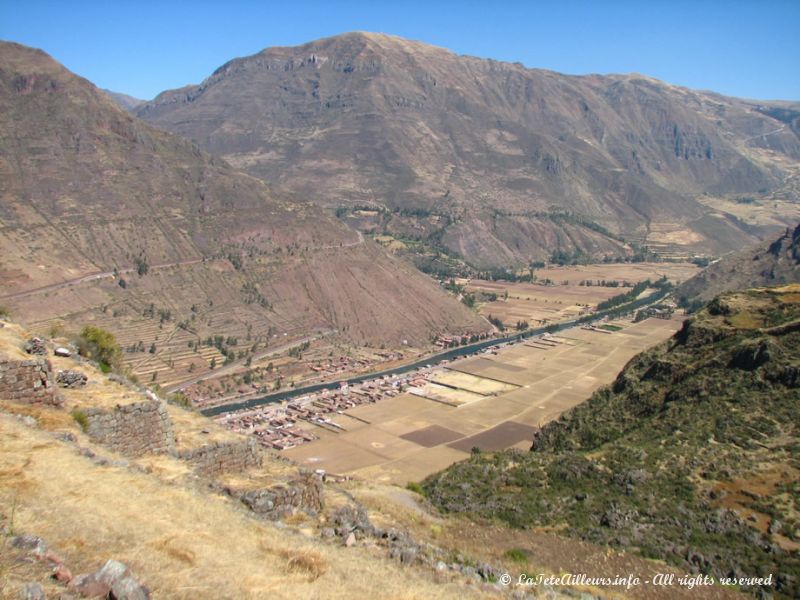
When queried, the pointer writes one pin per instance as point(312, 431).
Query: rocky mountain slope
point(103, 214)
point(498, 163)
point(773, 263)
point(691, 456)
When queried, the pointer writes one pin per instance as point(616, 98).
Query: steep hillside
point(498, 163)
point(691, 456)
point(774, 263)
point(105, 217)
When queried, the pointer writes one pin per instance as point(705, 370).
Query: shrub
point(180, 399)
point(100, 345)
point(517, 555)
point(415, 487)
point(80, 418)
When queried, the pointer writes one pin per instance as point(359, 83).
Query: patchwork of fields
point(491, 401)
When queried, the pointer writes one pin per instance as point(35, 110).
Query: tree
point(100, 345)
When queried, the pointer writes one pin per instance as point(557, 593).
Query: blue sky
point(742, 48)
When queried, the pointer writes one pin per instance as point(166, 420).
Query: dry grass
point(182, 543)
point(307, 562)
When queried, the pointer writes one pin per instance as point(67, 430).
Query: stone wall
point(132, 429)
point(223, 457)
point(28, 382)
point(303, 493)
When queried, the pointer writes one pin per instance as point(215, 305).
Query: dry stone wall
point(132, 429)
point(303, 493)
point(28, 382)
point(223, 457)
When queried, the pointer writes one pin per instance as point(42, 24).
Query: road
point(94, 277)
point(429, 360)
point(103, 274)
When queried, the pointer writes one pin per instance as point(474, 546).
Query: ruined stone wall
point(223, 457)
point(132, 429)
point(28, 382)
point(303, 493)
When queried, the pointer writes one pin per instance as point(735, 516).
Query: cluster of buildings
point(347, 364)
point(451, 341)
point(277, 425)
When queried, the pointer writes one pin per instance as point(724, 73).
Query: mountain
point(690, 456)
point(495, 162)
point(105, 218)
point(768, 264)
point(124, 100)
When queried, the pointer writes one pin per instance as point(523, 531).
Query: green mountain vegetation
point(691, 456)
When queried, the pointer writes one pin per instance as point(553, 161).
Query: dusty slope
point(87, 189)
point(491, 150)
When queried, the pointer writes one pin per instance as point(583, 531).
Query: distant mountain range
point(125, 101)
point(492, 161)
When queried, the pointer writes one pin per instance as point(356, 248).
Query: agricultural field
point(492, 401)
point(558, 293)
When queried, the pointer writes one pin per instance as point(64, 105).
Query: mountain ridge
point(103, 210)
point(491, 148)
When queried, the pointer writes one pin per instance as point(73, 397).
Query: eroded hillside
point(107, 219)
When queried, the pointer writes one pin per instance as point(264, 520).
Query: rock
point(327, 532)
point(28, 420)
point(62, 574)
point(775, 526)
point(113, 580)
point(61, 351)
point(86, 586)
point(31, 544)
point(408, 555)
point(32, 591)
point(488, 573)
point(350, 540)
point(71, 379)
point(128, 588)
point(35, 346)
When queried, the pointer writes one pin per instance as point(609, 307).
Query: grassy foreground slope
point(691, 455)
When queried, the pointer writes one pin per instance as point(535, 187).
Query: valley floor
point(493, 401)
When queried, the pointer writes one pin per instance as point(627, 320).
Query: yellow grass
point(182, 543)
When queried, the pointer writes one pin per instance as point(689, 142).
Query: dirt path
point(94, 277)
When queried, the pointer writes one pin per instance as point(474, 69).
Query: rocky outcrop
point(112, 580)
point(304, 493)
point(71, 379)
point(35, 346)
point(132, 429)
point(28, 382)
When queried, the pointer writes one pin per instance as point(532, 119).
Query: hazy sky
point(741, 48)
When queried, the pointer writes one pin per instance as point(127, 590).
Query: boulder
point(35, 346)
point(32, 591)
point(71, 379)
point(64, 352)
